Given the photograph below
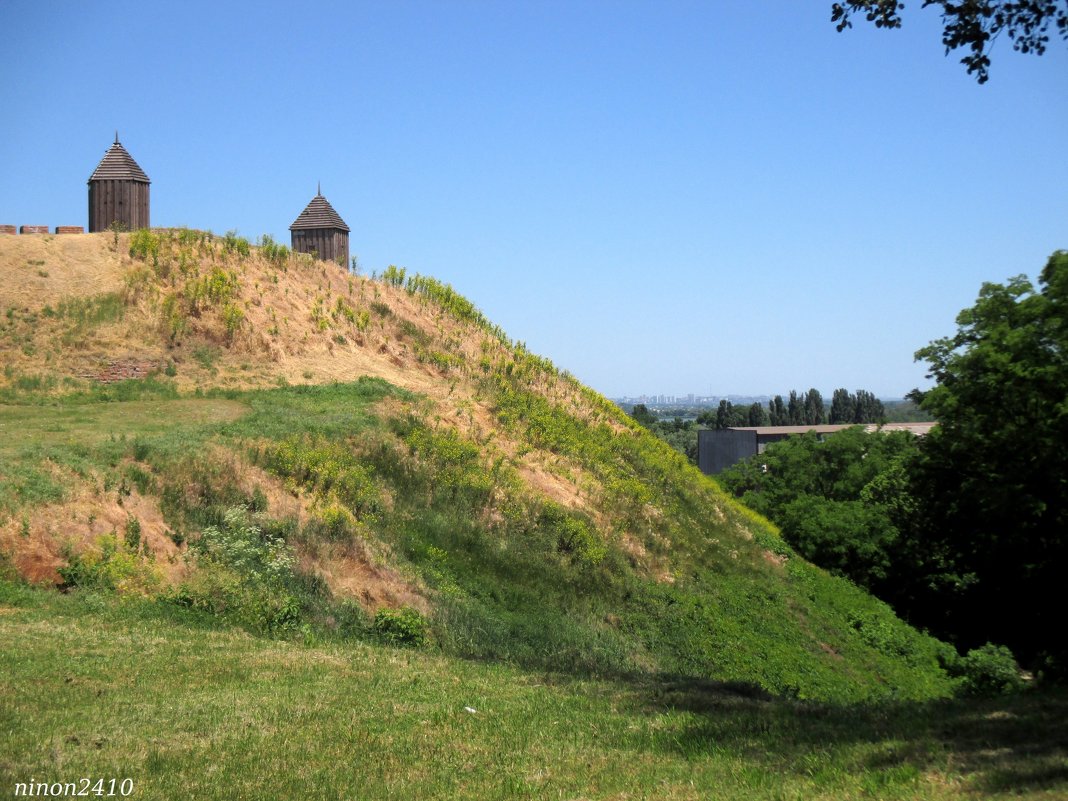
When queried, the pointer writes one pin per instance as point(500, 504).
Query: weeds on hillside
point(274, 252)
point(111, 565)
point(188, 289)
point(244, 574)
point(76, 318)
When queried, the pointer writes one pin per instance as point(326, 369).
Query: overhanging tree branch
point(972, 24)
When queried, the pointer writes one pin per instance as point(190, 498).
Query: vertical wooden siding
point(329, 243)
point(123, 201)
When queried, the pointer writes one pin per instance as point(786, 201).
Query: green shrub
point(211, 290)
point(109, 567)
point(274, 251)
point(243, 573)
point(336, 523)
point(343, 311)
point(174, 316)
point(205, 356)
point(232, 243)
point(883, 631)
point(233, 317)
point(573, 536)
point(258, 502)
point(330, 468)
point(413, 332)
point(132, 534)
point(393, 276)
point(243, 547)
point(404, 626)
point(219, 590)
point(988, 670)
point(144, 244)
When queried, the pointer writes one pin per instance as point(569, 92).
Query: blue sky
point(671, 197)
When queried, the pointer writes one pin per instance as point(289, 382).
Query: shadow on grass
point(1010, 744)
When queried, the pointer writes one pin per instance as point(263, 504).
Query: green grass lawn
point(94, 686)
point(91, 423)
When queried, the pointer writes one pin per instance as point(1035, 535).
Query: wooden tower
point(320, 230)
point(118, 192)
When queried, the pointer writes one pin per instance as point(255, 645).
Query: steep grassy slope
point(446, 486)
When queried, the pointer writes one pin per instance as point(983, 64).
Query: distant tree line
point(806, 409)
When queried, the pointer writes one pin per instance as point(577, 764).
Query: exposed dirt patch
point(548, 482)
point(350, 572)
point(77, 523)
point(827, 649)
point(773, 558)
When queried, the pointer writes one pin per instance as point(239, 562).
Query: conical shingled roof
point(118, 165)
point(319, 214)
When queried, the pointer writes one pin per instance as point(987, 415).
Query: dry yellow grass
point(77, 265)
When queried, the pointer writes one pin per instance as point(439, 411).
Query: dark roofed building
point(118, 192)
point(719, 449)
point(320, 230)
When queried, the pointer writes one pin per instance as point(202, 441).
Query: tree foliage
point(802, 409)
point(837, 501)
point(642, 415)
point(963, 531)
point(862, 407)
point(993, 478)
point(972, 24)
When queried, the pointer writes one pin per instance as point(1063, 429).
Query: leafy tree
point(725, 414)
point(840, 502)
point(642, 415)
point(906, 411)
point(795, 410)
point(972, 24)
point(680, 435)
point(993, 478)
point(850, 538)
point(813, 408)
point(867, 408)
point(777, 412)
point(757, 415)
point(843, 407)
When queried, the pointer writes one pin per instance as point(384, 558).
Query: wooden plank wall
point(329, 243)
point(124, 201)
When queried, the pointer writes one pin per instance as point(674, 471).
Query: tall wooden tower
point(118, 191)
point(319, 229)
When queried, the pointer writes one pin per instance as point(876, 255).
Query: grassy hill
point(346, 464)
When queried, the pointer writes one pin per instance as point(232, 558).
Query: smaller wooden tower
point(118, 191)
point(320, 230)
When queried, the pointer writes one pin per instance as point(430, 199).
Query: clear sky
point(713, 197)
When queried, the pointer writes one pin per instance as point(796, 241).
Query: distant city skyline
point(692, 398)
